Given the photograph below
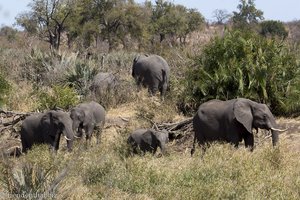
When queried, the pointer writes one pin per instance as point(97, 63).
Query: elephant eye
point(61, 125)
point(265, 116)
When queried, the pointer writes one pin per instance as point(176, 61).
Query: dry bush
point(22, 98)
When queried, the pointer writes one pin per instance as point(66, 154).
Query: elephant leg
point(99, 129)
point(24, 146)
point(163, 90)
point(139, 81)
point(249, 141)
point(89, 131)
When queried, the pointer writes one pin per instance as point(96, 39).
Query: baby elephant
point(147, 140)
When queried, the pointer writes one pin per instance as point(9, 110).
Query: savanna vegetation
point(61, 45)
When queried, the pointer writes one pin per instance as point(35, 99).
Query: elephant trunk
point(275, 137)
point(69, 136)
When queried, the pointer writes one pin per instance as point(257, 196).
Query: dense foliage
point(246, 65)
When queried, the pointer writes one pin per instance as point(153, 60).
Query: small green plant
point(36, 177)
point(59, 96)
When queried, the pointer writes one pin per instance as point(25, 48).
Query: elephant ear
point(81, 115)
point(47, 123)
point(243, 114)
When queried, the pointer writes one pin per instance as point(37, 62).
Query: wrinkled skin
point(148, 140)
point(152, 72)
point(46, 128)
point(102, 83)
point(232, 121)
point(88, 116)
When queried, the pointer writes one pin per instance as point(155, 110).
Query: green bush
point(60, 96)
point(246, 65)
point(80, 76)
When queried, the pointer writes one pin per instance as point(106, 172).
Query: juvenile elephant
point(46, 128)
point(103, 82)
point(152, 72)
point(232, 121)
point(147, 140)
point(88, 116)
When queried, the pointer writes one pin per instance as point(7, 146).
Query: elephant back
point(103, 81)
point(99, 112)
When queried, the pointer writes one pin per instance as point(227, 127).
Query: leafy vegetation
point(246, 65)
point(63, 97)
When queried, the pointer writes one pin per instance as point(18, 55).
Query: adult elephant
point(232, 121)
point(148, 140)
point(103, 82)
point(46, 128)
point(152, 72)
point(88, 116)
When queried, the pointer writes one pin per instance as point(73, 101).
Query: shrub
point(59, 96)
point(80, 76)
point(245, 65)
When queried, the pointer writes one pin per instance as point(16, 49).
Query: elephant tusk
point(76, 136)
point(279, 130)
point(67, 138)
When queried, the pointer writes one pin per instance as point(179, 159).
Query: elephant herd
point(229, 121)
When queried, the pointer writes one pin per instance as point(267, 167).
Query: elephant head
point(78, 116)
point(55, 123)
point(256, 115)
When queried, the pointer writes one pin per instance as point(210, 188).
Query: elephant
point(232, 121)
point(46, 128)
point(103, 82)
point(152, 72)
point(147, 140)
point(88, 116)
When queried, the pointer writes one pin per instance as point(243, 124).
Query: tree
point(47, 18)
point(175, 21)
point(273, 28)
point(248, 14)
point(221, 16)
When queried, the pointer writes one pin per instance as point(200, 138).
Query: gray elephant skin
point(152, 72)
point(88, 116)
point(232, 121)
point(46, 128)
point(103, 82)
point(148, 140)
